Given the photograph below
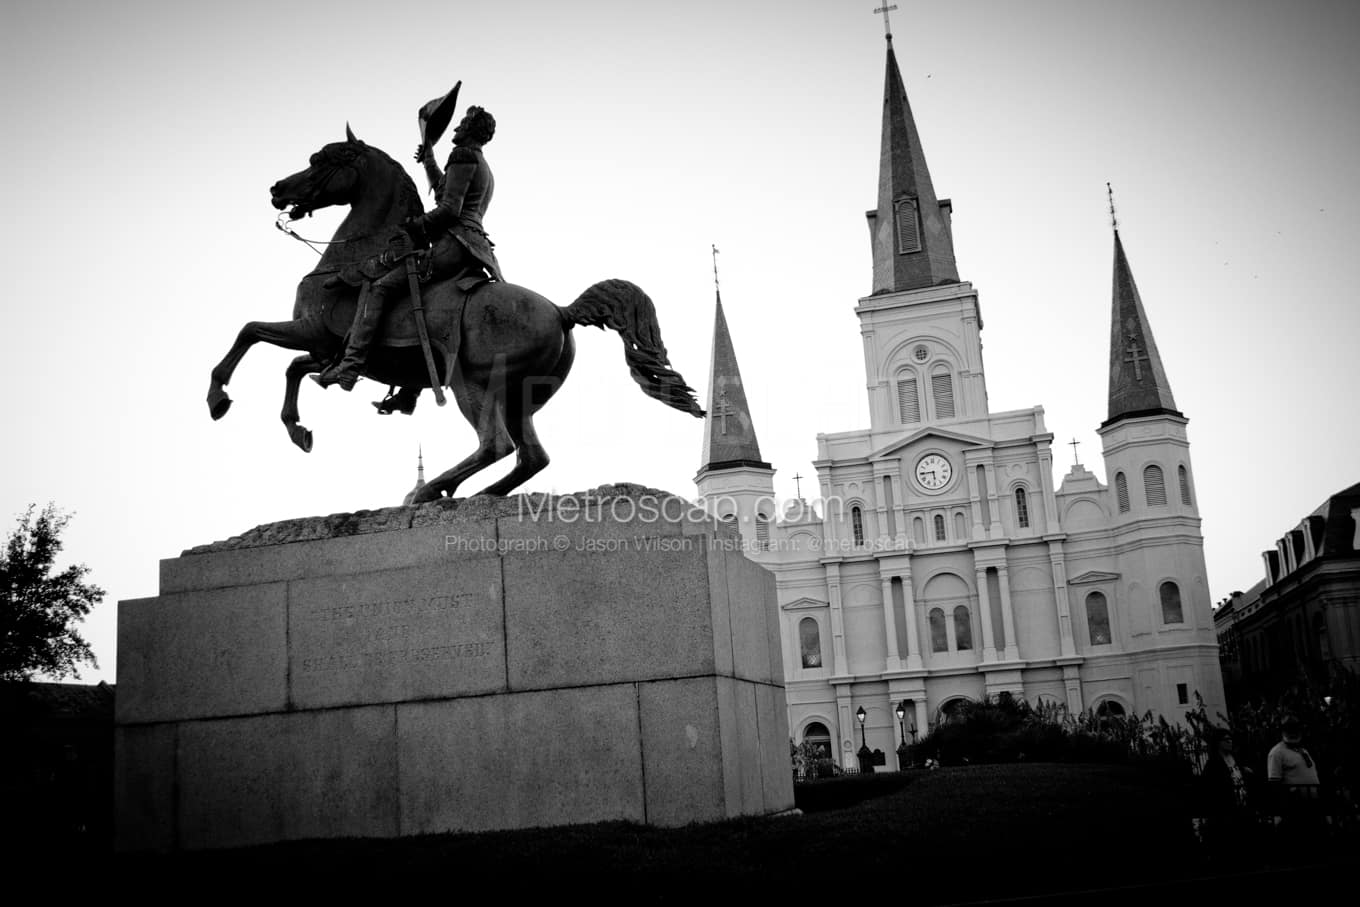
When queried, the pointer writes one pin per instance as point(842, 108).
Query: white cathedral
point(942, 565)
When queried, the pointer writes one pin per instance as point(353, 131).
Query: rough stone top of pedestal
point(443, 511)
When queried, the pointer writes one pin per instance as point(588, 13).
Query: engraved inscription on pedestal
point(396, 635)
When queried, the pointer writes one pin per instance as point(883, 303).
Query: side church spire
point(1138, 383)
point(729, 434)
point(912, 242)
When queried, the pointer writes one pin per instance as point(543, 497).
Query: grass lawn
point(956, 834)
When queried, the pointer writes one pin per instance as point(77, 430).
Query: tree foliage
point(39, 609)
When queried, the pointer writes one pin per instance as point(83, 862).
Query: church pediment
point(896, 447)
point(1093, 576)
point(804, 604)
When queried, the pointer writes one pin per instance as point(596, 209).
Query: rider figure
point(461, 248)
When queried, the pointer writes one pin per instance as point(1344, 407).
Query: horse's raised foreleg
point(297, 369)
point(292, 335)
point(485, 411)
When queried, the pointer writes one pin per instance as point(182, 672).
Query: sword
point(419, 309)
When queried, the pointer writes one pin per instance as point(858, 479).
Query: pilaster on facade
point(843, 721)
point(893, 661)
point(985, 613)
point(833, 593)
point(972, 459)
point(1046, 483)
point(1008, 614)
point(1058, 562)
point(1072, 684)
point(995, 529)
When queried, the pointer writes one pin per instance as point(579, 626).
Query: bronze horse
point(516, 346)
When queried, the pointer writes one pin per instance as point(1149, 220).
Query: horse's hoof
point(218, 403)
point(302, 437)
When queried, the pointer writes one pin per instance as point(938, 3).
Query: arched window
point(1185, 485)
point(939, 634)
point(1109, 708)
point(939, 528)
point(817, 736)
point(918, 530)
point(963, 628)
point(908, 399)
point(1022, 508)
point(1098, 618)
point(942, 389)
point(1121, 491)
point(953, 710)
point(857, 525)
point(810, 642)
point(1171, 604)
point(729, 520)
point(960, 527)
point(762, 532)
point(1154, 487)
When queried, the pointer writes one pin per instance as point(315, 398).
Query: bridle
point(283, 223)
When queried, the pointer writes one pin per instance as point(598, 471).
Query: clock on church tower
point(933, 472)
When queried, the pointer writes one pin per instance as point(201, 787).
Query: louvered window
point(857, 524)
point(942, 388)
point(908, 226)
point(1022, 508)
point(1154, 487)
point(1121, 491)
point(908, 402)
point(939, 528)
point(1185, 485)
point(762, 532)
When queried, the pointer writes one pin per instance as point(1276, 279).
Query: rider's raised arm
point(432, 172)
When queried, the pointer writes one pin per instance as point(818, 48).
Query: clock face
point(933, 472)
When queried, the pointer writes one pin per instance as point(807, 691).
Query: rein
point(284, 226)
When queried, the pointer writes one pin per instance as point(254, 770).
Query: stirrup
point(397, 401)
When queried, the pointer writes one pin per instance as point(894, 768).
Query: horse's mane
point(407, 192)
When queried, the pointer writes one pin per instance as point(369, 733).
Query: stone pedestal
point(461, 666)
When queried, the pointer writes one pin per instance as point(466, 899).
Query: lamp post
point(866, 758)
point(903, 751)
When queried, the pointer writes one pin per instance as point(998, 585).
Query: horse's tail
point(623, 307)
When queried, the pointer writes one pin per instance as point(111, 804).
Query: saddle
point(444, 301)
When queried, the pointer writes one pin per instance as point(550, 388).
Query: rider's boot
point(346, 372)
point(402, 401)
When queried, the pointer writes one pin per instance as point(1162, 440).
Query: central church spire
point(910, 232)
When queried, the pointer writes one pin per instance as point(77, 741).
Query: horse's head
point(334, 177)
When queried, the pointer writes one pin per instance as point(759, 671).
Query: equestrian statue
point(416, 300)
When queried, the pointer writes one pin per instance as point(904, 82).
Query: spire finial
point(887, 26)
point(1114, 221)
point(715, 270)
point(420, 464)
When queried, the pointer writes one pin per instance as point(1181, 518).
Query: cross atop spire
point(715, 269)
point(1114, 221)
point(887, 26)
